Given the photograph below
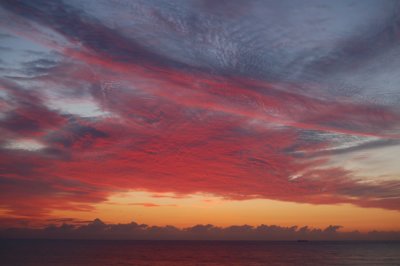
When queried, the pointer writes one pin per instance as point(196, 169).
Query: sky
point(199, 112)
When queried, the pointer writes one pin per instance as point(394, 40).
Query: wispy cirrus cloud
point(179, 99)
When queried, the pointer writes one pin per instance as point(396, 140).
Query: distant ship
point(302, 240)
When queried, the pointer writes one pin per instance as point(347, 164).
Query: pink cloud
point(172, 127)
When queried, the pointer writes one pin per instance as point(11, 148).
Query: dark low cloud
point(97, 229)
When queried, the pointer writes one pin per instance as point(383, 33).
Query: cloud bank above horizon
point(268, 100)
point(99, 230)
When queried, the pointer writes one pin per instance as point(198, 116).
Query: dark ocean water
point(191, 253)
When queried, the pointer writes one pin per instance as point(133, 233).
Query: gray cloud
point(97, 229)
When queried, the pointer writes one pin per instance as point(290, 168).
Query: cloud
point(97, 229)
point(150, 204)
point(192, 101)
point(36, 197)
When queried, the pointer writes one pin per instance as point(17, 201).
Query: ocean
point(195, 253)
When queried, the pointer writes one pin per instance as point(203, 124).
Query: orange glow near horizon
point(166, 209)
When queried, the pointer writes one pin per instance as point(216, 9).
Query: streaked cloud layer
point(267, 100)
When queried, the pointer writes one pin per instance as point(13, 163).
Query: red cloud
point(176, 129)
